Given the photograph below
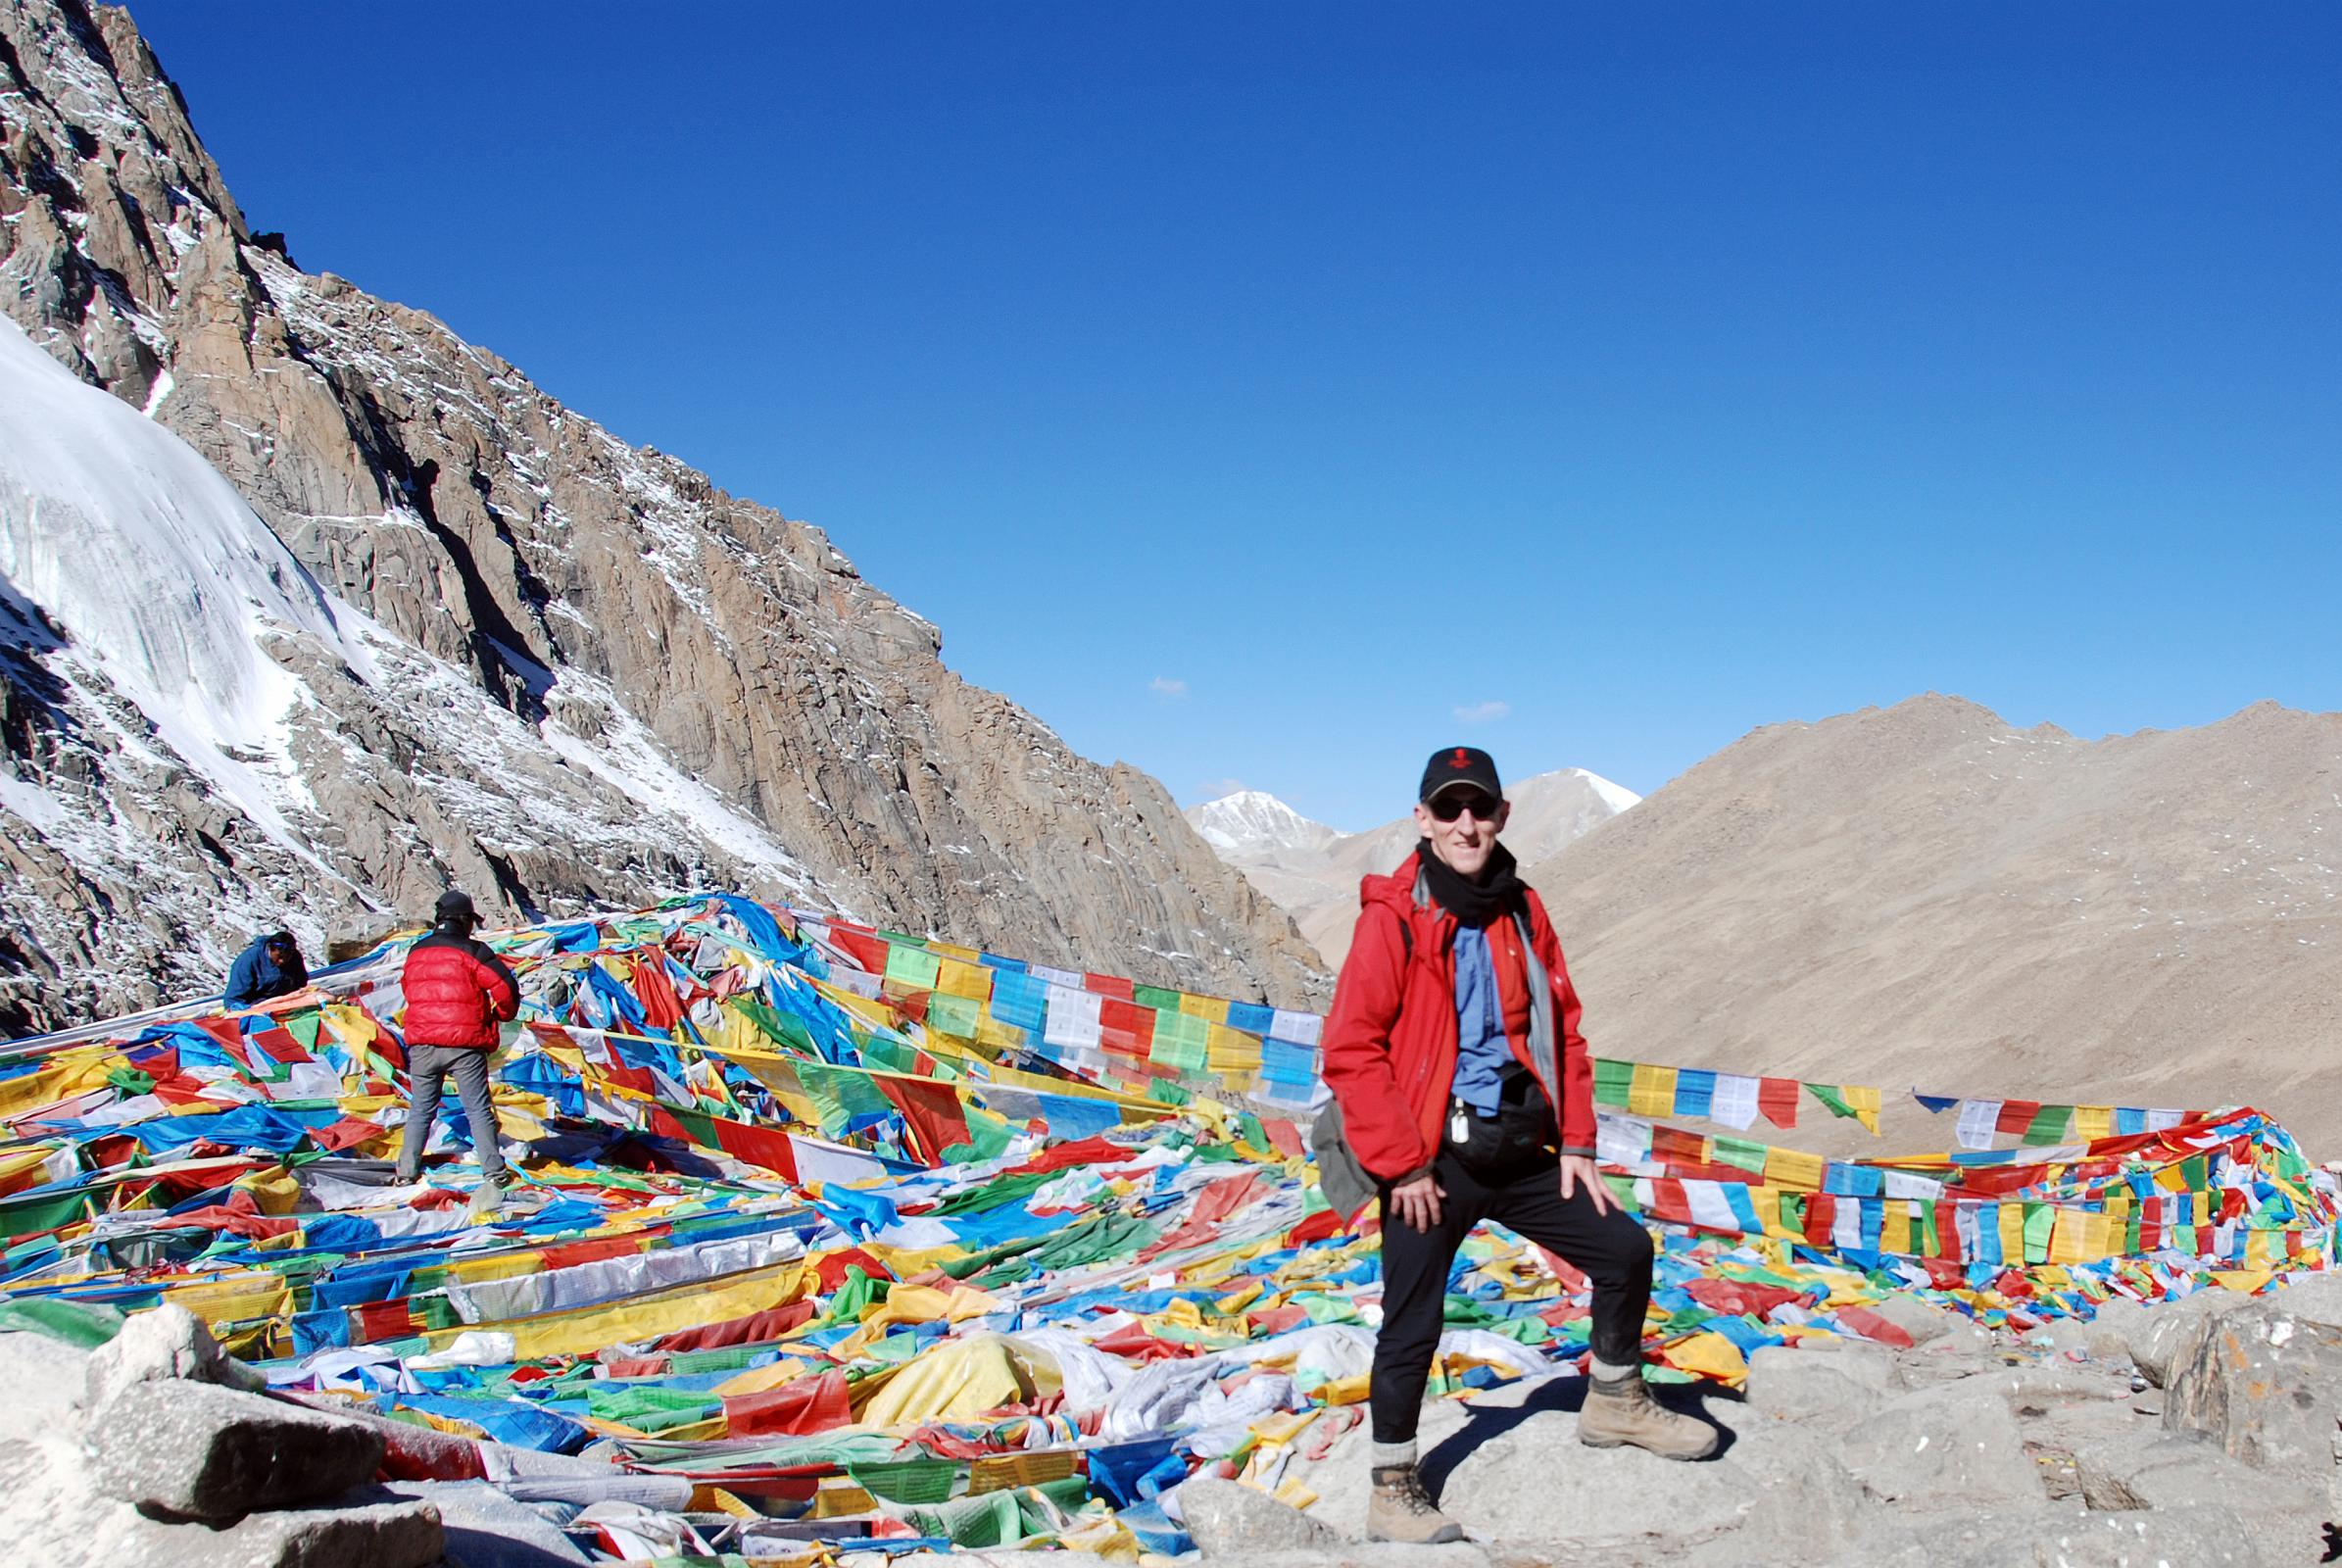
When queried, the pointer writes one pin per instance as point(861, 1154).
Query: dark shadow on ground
point(1566, 1394)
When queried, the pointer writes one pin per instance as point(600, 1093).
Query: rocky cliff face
point(559, 668)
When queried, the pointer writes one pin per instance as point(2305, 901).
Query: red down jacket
point(457, 991)
point(1390, 1045)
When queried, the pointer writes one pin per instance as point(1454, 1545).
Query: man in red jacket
point(457, 991)
point(1452, 1040)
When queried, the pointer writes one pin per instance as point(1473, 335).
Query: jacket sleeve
point(244, 979)
point(1356, 1053)
point(1577, 1127)
point(497, 983)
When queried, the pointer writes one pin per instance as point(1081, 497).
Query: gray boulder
point(1790, 1384)
point(1948, 1447)
point(191, 1451)
point(2069, 1538)
point(43, 1379)
point(2169, 1329)
point(1922, 1321)
point(2316, 1297)
point(166, 1344)
point(2264, 1384)
point(1240, 1523)
point(384, 1534)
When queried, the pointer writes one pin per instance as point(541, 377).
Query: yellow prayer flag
point(1211, 1010)
point(1652, 1091)
point(1793, 1169)
point(2093, 1122)
point(958, 979)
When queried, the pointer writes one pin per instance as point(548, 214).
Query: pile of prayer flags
point(842, 1240)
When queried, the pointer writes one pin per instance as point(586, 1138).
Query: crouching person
point(1452, 1038)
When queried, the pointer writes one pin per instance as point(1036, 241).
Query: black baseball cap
point(455, 904)
point(1460, 764)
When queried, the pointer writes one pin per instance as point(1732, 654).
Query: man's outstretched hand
point(1579, 1171)
point(1417, 1202)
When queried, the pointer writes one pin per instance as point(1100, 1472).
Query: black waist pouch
point(1521, 1136)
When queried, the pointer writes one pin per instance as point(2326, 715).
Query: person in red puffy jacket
point(1463, 1093)
point(457, 991)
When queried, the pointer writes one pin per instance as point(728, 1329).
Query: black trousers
point(1612, 1248)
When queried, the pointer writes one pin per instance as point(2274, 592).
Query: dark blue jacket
point(255, 976)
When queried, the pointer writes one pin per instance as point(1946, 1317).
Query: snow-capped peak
point(1254, 822)
point(1615, 796)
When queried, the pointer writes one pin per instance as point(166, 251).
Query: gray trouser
point(426, 1065)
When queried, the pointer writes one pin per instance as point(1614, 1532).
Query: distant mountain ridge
point(1927, 896)
point(419, 623)
point(1313, 871)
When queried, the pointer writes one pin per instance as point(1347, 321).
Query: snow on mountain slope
point(162, 578)
point(180, 660)
point(1313, 871)
point(1254, 824)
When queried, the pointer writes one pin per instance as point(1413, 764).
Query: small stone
point(190, 1450)
point(1234, 1521)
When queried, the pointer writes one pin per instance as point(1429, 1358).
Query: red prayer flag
point(798, 1409)
point(1125, 1026)
point(933, 1111)
point(2016, 1115)
point(1777, 1098)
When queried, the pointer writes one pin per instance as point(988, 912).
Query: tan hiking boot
point(1401, 1510)
point(1621, 1410)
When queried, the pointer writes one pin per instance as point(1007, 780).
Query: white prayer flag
point(1072, 1019)
point(1978, 1122)
point(1734, 1103)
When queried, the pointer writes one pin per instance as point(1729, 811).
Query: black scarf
point(1497, 893)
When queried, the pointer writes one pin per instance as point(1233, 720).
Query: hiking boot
point(1621, 1410)
point(488, 1198)
point(1401, 1510)
point(407, 1177)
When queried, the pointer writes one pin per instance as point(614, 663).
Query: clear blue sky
point(1248, 390)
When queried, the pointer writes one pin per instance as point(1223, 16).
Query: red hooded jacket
point(457, 991)
point(1390, 1045)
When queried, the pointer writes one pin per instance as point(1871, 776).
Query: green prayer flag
point(780, 1027)
point(1612, 1081)
point(1828, 1095)
point(953, 1015)
point(2041, 1219)
point(1742, 1153)
point(915, 967)
point(83, 1327)
point(2049, 1125)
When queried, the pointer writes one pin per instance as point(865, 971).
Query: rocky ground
point(2200, 1432)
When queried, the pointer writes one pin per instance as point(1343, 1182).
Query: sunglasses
point(1447, 808)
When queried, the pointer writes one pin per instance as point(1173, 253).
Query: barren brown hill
point(1926, 896)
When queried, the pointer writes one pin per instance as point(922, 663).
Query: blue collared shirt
point(1481, 1049)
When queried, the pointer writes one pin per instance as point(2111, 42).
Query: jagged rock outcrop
point(551, 666)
